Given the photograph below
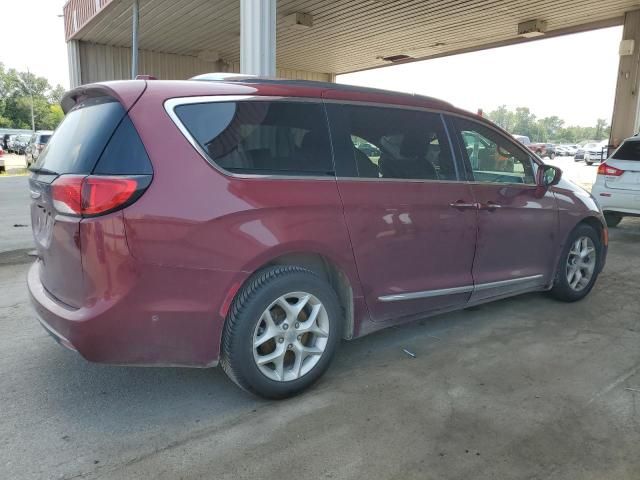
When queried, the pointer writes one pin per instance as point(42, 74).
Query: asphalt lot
point(15, 220)
point(522, 388)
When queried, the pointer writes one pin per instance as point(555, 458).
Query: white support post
point(75, 65)
point(258, 37)
point(134, 39)
point(626, 107)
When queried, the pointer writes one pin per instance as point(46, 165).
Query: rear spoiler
point(127, 92)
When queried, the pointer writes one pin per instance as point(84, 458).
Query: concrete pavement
point(522, 388)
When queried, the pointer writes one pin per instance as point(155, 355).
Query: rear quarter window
point(261, 137)
point(629, 150)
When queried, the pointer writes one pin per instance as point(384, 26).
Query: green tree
point(525, 123)
point(601, 129)
point(502, 117)
point(17, 92)
point(548, 129)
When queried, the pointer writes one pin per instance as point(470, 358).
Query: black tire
point(588, 162)
point(561, 289)
point(612, 219)
point(263, 288)
point(552, 156)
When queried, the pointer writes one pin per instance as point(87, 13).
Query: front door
point(517, 220)
point(412, 222)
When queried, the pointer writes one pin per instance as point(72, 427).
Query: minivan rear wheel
point(579, 265)
point(281, 332)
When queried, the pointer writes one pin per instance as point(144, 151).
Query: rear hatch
point(624, 167)
point(93, 165)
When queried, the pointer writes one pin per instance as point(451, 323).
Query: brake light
point(66, 192)
point(94, 195)
point(608, 170)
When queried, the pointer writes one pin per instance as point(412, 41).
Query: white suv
point(595, 152)
point(617, 186)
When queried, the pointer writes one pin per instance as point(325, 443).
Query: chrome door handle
point(491, 206)
point(460, 205)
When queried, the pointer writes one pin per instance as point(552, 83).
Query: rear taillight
point(608, 170)
point(93, 195)
point(40, 146)
point(66, 193)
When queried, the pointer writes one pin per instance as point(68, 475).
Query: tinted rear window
point(81, 137)
point(629, 150)
point(44, 138)
point(287, 138)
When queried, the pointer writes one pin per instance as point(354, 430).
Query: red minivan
point(256, 222)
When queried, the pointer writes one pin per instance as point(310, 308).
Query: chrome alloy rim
point(581, 263)
point(291, 336)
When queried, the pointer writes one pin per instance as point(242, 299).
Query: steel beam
point(626, 108)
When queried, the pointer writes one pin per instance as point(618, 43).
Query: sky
point(40, 47)
point(577, 81)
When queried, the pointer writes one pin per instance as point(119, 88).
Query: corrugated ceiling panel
point(346, 35)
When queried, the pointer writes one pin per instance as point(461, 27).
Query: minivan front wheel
point(579, 265)
point(281, 332)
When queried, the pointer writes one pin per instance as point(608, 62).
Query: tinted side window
point(399, 143)
point(629, 150)
point(492, 157)
point(284, 138)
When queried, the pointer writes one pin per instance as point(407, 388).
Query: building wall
point(104, 62)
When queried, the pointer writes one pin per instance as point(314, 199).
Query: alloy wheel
point(291, 336)
point(581, 263)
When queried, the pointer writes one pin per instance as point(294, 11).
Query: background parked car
point(11, 143)
point(539, 149)
point(561, 151)
point(20, 144)
point(550, 150)
point(595, 152)
point(36, 144)
point(522, 139)
point(571, 149)
point(617, 186)
point(1, 159)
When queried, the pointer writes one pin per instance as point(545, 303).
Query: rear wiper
point(43, 171)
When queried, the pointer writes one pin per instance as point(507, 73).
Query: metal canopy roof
point(345, 36)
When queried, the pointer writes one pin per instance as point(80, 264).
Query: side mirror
point(548, 175)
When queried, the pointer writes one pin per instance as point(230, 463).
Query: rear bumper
point(144, 327)
point(621, 201)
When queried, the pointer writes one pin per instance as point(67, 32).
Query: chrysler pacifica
point(255, 223)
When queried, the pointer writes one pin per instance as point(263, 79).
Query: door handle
point(460, 205)
point(491, 206)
